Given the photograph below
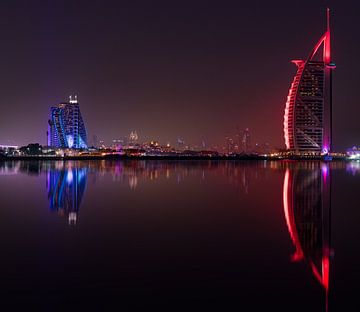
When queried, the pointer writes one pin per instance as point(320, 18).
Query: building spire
point(324, 42)
point(327, 47)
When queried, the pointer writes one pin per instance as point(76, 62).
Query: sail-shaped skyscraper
point(308, 111)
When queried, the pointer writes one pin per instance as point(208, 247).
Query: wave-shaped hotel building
point(66, 126)
point(308, 111)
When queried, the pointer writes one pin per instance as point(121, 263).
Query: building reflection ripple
point(65, 187)
point(307, 206)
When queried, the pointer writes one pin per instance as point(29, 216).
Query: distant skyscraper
point(246, 140)
point(229, 145)
point(308, 111)
point(66, 126)
point(95, 140)
point(133, 137)
point(181, 143)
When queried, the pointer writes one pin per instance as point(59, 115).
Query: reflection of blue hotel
point(65, 191)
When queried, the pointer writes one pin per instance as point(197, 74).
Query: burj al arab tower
point(308, 111)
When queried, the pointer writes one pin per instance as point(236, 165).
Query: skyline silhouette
point(191, 70)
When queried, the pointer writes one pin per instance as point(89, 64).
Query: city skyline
point(179, 155)
point(190, 75)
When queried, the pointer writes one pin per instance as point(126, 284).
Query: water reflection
point(353, 167)
point(304, 188)
point(66, 180)
point(65, 188)
point(307, 205)
point(238, 173)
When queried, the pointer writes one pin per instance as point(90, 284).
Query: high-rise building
point(66, 126)
point(246, 141)
point(133, 137)
point(308, 111)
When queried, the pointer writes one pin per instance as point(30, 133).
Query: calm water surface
point(179, 236)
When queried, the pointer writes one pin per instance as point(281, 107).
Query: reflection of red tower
point(308, 111)
point(306, 199)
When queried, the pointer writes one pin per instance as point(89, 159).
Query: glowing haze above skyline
point(198, 70)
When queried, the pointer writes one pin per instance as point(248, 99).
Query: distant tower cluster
point(133, 137)
point(241, 144)
point(229, 145)
point(181, 143)
point(66, 126)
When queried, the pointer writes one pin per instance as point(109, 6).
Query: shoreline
point(183, 157)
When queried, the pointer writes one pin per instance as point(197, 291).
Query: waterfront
point(179, 235)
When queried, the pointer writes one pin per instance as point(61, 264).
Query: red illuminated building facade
point(308, 111)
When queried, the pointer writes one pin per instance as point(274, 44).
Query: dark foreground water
point(179, 236)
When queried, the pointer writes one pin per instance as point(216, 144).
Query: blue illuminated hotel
point(66, 126)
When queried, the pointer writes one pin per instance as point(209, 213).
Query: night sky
point(198, 70)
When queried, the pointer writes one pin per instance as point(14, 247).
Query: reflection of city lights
point(72, 218)
point(133, 182)
point(69, 176)
point(325, 171)
point(353, 167)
